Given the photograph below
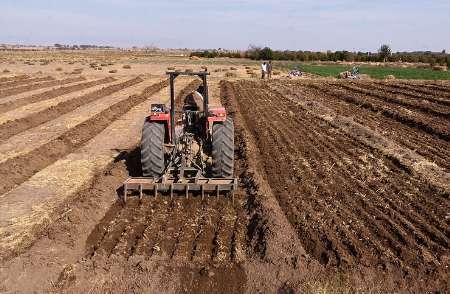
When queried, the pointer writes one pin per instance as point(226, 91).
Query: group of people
point(266, 70)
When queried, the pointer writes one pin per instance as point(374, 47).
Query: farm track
point(18, 169)
point(413, 138)
point(431, 125)
point(11, 128)
point(31, 87)
point(4, 107)
point(349, 204)
point(12, 84)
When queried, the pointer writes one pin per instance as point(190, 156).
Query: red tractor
point(187, 150)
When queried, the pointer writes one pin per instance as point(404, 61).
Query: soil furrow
point(28, 88)
point(384, 95)
point(418, 92)
point(12, 128)
point(17, 170)
point(52, 94)
point(338, 207)
point(204, 245)
point(424, 144)
point(182, 248)
point(438, 130)
point(15, 78)
point(5, 86)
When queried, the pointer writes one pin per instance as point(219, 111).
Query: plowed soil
point(4, 107)
point(343, 187)
point(23, 82)
point(35, 86)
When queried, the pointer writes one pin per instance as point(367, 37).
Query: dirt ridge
point(27, 88)
point(11, 128)
point(17, 170)
point(4, 107)
point(5, 86)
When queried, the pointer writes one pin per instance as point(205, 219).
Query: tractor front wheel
point(152, 149)
point(223, 149)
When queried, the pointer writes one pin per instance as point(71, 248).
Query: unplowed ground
point(343, 187)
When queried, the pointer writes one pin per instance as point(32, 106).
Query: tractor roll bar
point(173, 75)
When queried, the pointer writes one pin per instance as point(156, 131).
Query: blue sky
point(233, 24)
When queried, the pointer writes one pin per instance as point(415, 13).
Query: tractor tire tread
point(152, 149)
point(223, 149)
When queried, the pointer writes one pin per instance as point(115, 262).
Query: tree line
point(384, 54)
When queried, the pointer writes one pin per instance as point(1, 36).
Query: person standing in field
point(269, 70)
point(263, 70)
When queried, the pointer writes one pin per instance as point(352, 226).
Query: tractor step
point(171, 185)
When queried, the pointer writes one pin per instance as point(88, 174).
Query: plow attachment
point(210, 186)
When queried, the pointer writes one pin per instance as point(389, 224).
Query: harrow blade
point(202, 185)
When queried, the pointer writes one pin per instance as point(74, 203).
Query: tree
point(384, 52)
point(266, 54)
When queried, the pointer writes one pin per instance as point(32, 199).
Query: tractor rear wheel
point(152, 149)
point(223, 149)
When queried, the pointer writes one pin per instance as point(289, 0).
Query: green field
point(376, 72)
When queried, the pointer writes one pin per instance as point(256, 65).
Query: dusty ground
point(344, 186)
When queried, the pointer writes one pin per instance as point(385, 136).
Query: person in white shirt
point(263, 70)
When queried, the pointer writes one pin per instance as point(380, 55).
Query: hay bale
point(344, 75)
point(254, 75)
point(58, 69)
point(6, 71)
point(126, 66)
point(231, 75)
point(113, 71)
point(171, 68)
point(233, 68)
point(390, 77)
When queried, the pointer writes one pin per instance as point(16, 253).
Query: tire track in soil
point(28, 88)
point(12, 128)
point(52, 94)
point(423, 143)
point(346, 202)
point(17, 170)
point(5, 86)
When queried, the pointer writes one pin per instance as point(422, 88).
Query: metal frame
point(203, 185)
point(172, 76)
